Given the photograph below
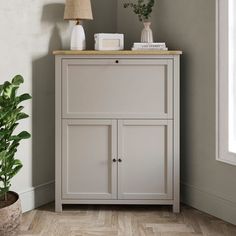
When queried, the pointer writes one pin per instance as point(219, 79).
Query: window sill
point(227, 161)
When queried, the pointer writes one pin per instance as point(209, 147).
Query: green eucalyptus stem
point(141, 8)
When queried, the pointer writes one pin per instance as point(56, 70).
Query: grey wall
point(104, 14)
point(189, 25)
point(32, 29)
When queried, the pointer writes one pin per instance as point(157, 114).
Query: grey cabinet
point(117, 128)
point(87, 149)
point(145, 148)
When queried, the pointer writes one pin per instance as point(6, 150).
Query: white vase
point(146, 36)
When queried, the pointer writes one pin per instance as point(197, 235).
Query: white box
point(109, 42)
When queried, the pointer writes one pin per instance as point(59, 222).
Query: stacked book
point(149, 46)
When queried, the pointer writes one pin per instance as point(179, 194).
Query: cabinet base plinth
point(58, 208)
point(176, 207)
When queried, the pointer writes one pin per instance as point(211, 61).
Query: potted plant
point(10, 115)
point(143, 8)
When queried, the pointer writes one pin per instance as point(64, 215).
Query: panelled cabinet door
point(122, 88)
point(145, 153)
point(88, 171)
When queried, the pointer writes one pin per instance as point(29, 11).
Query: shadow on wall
point(43, 87)
point(104, 20)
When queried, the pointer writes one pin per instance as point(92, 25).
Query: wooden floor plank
point(93, 220)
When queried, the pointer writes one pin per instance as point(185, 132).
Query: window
point(226, 81)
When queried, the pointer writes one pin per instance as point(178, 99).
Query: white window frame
point(222, 80)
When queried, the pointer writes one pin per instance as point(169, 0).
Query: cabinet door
point(87, 152)
point(146, 159)
point(122, 88)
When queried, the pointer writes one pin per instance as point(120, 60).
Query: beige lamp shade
point(78, 10)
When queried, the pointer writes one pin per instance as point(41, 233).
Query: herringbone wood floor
point(122, 221)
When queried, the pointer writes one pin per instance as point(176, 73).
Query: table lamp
point(78, 10)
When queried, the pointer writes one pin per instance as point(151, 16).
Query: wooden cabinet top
point(123, 52)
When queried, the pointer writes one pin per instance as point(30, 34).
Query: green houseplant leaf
point(24, 97)
point(10, 114)
point(17, 80)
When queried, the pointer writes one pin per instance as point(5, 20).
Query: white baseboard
point(209, 203)
point(37, 196)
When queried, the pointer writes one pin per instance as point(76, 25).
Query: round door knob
point(120, 160)
point(114, 160)
point(117, 61)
